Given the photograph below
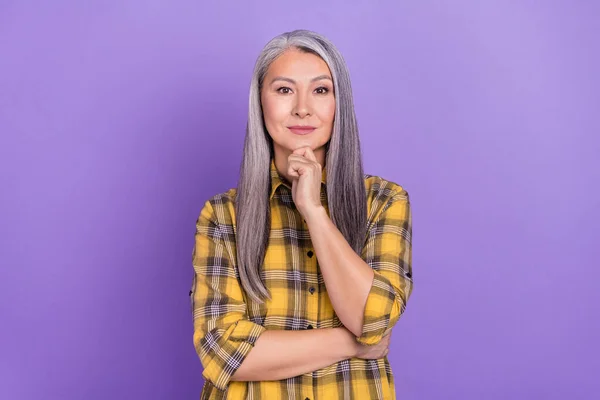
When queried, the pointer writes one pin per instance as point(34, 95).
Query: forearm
point(281, 354)
point(347, 277)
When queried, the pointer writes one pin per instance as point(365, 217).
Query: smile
point(301, 130)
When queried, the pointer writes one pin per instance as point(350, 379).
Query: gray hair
point(346, 193)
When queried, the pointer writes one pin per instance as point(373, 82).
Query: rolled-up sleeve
point(388, 252)
point(223, 336)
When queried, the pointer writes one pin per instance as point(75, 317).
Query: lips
point(301, 129)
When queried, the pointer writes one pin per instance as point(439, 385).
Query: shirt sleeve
point(223, 335)
point(388, 252)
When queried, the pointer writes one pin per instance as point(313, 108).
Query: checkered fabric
point(227, 322)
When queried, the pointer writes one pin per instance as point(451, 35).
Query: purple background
point(119, 119)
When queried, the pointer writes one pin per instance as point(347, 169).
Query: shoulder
point(220, 208)
point(381, 188)
point(383, 193)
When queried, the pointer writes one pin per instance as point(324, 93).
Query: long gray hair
point(346, 193)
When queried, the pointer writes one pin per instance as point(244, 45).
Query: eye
point(322, 90)
point(284, 90)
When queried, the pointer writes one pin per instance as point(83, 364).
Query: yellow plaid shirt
point(227, 322)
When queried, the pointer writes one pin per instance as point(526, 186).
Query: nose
point(302, 106)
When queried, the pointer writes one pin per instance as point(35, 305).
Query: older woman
point(302, 271)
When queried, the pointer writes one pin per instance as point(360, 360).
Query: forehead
point(297, 64)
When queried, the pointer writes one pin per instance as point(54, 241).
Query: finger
point(298, 161)
point(296, 168)
point(292, 168)
point(306, 152)
point(301, 151)
point(299, 158)
point(312, 165)
point(300, 165)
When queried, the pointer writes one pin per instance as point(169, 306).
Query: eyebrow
point(285, 79)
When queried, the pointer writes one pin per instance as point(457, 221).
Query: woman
point(302, 271)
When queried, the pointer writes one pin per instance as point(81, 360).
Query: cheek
point(273, 110)
point(266, 110)
point(328, 111)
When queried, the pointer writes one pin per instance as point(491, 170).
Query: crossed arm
point(368, 297)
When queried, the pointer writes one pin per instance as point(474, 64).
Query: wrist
point(347, 342)
point(314, 213)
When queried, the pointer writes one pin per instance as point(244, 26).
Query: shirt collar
point(277, 180)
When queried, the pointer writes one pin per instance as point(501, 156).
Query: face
point(298, 103)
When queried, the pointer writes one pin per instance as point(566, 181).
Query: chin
point(310, 142)
point(297, 142)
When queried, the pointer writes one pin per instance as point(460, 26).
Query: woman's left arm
point(367, 296)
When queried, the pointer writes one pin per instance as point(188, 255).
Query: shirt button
point(310, 254)
point(311, 290)
point(309, 327)
point(408, 274)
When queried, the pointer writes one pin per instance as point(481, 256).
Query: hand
point(378, 350)
point(360, 350)
point(306, 175)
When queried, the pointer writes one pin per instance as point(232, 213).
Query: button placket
point(313, 299)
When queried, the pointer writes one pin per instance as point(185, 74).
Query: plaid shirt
point(227, 322)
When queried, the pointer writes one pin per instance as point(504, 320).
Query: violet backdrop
point(118, 119)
